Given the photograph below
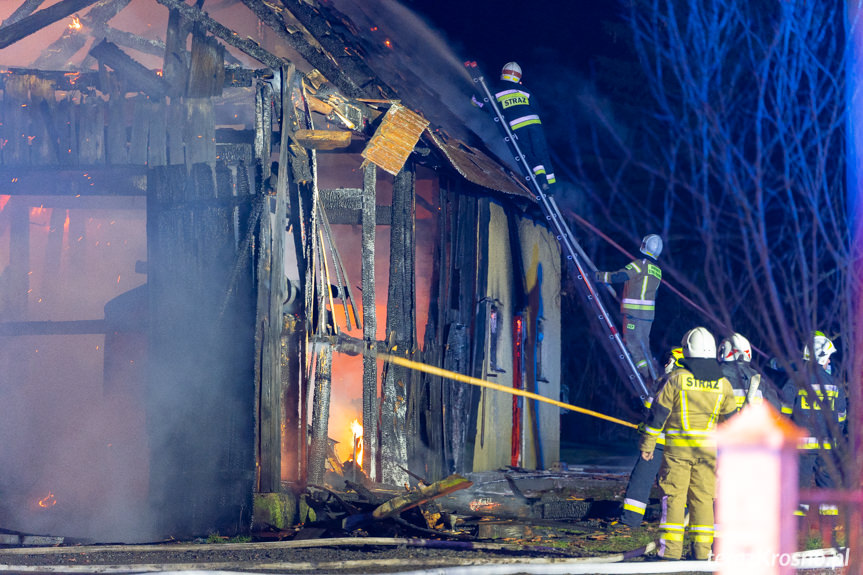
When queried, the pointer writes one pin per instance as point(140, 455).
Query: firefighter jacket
point(688, 408)
point(813, 414)
point(515, 104)
point(745, 381)
point(642, 279)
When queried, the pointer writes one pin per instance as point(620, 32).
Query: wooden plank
point(16, 123)
point(43, 146)
point(207, 68)
point(200, 131)
point(66, 129)
point(117, 148)
point(323, 139)
point(136, 75)
point(370, 367)
point(91, 132)
point(140, 129)
point(157, 142)
point(38, 20)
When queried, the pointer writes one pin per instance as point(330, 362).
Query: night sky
point(494, 32)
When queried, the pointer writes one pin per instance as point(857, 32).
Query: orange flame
point(357, 430)
point(47, 501)
point(76, 23)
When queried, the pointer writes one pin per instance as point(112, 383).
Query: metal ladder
point(584, 268)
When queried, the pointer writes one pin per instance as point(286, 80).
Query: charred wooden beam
point(422, 495)
point(128, 40)
point(38, 20)
point(24, 10)
point(400, 332)
point(73, 38)
point(325, 60)
point(135, 74)
point(224, 33)
point(370, 368)
point(320, 415)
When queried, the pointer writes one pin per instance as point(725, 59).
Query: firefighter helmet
point(824, 348)
point(699, 343)
point(511, 72)
point(651, 246)
point(671, 360)
point(735, 348)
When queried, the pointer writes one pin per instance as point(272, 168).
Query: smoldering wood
point(327, 63)
point(57, 55)
point(334, 251)
point(421, 495)
point(38, 20)
point(245, 45)
point(136, 75)
point(400, 332)
point(370, 368)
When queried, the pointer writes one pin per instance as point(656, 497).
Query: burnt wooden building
point(212, 223)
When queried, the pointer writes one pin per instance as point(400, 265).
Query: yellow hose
point(430, 369)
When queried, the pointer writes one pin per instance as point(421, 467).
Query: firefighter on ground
point(735, 360)
point(644, 472)
point(687, 409)
point(519, 109)
point(816, 415)
point(641, 280)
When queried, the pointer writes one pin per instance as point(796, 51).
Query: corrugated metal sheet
point(478, 168)
point(395, 138)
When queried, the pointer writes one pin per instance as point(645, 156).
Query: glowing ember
point(47, 501)
point(388, 43)
point(357, 430)
point(76, 23)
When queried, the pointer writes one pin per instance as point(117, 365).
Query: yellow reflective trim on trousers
point(681, 442)
point(671, 537)
point(703, 538)
point(633, 508)
point(671, 527)
point(639, 307)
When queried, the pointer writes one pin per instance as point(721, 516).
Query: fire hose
point(433, 370)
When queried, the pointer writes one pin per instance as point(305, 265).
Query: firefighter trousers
point(636, 337)
point(641, 481)
point(687, 480)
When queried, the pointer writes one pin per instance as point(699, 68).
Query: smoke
point(420, 61)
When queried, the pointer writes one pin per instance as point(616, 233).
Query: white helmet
point(824, 348)
point(735, 348)
point(699, 343)
point(511, 72)
point(651, 246)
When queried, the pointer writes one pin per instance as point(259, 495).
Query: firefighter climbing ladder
point(572, 249)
